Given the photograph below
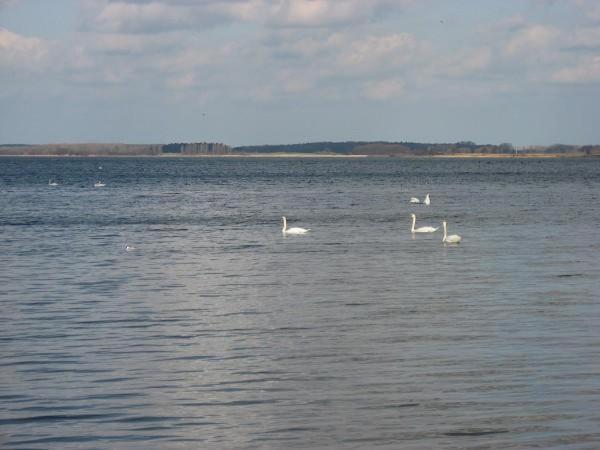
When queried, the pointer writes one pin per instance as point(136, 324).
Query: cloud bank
point(306, 51)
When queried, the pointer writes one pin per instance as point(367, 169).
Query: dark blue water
point(219, 332)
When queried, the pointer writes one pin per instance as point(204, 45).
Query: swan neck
point(414, 220)
point(284, 225)
point(445, 234)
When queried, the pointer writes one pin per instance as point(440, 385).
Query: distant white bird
point(427, 201)
point(129, 248)
point(293, 230)
point(415, 200)
point(421, 229)
point(452, 239)
point(52, 183)
point(99, 184)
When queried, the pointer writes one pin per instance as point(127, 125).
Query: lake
point(217, 331)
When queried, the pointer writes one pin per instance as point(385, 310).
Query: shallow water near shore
point(216, 331)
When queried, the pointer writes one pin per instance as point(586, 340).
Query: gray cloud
point(4, 3)
point(139, 16)
point(148, 17)
point(298, 49)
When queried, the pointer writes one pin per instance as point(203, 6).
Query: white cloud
point(583, 72)
point(530, 39)
point(594, 13)
point(465, 62)
point(133, 17)
point(127, 16)
point(130, 44)
point(339, 64)
point(590, 8)
point(511, 23)
point(173, 60)
point(298, 48)
point(384, 89)
point(315, 13)
point(193, 57)
point(306, 47)
point(583, 39)
point(183, 81)
point(159, 15)
point(311, 12)
point(4, 3)
point(21, 51)
point(371, 51)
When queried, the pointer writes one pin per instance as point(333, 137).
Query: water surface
point(219, 332)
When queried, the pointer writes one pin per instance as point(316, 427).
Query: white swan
point(293, 230)
point(415, 200)
point(421, 229)
point(426, 201)
point(129, 248)
point(99, 184)
point(452, 239)
point(52, 183)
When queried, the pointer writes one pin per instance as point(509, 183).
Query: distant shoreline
point(346, 149)
point(313, 155)
point(507, 156)
point(184, 156)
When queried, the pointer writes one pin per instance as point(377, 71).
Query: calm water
point(218, 332)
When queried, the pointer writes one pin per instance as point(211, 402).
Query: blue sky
point(285, 71)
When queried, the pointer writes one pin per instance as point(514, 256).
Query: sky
point(246, 72)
